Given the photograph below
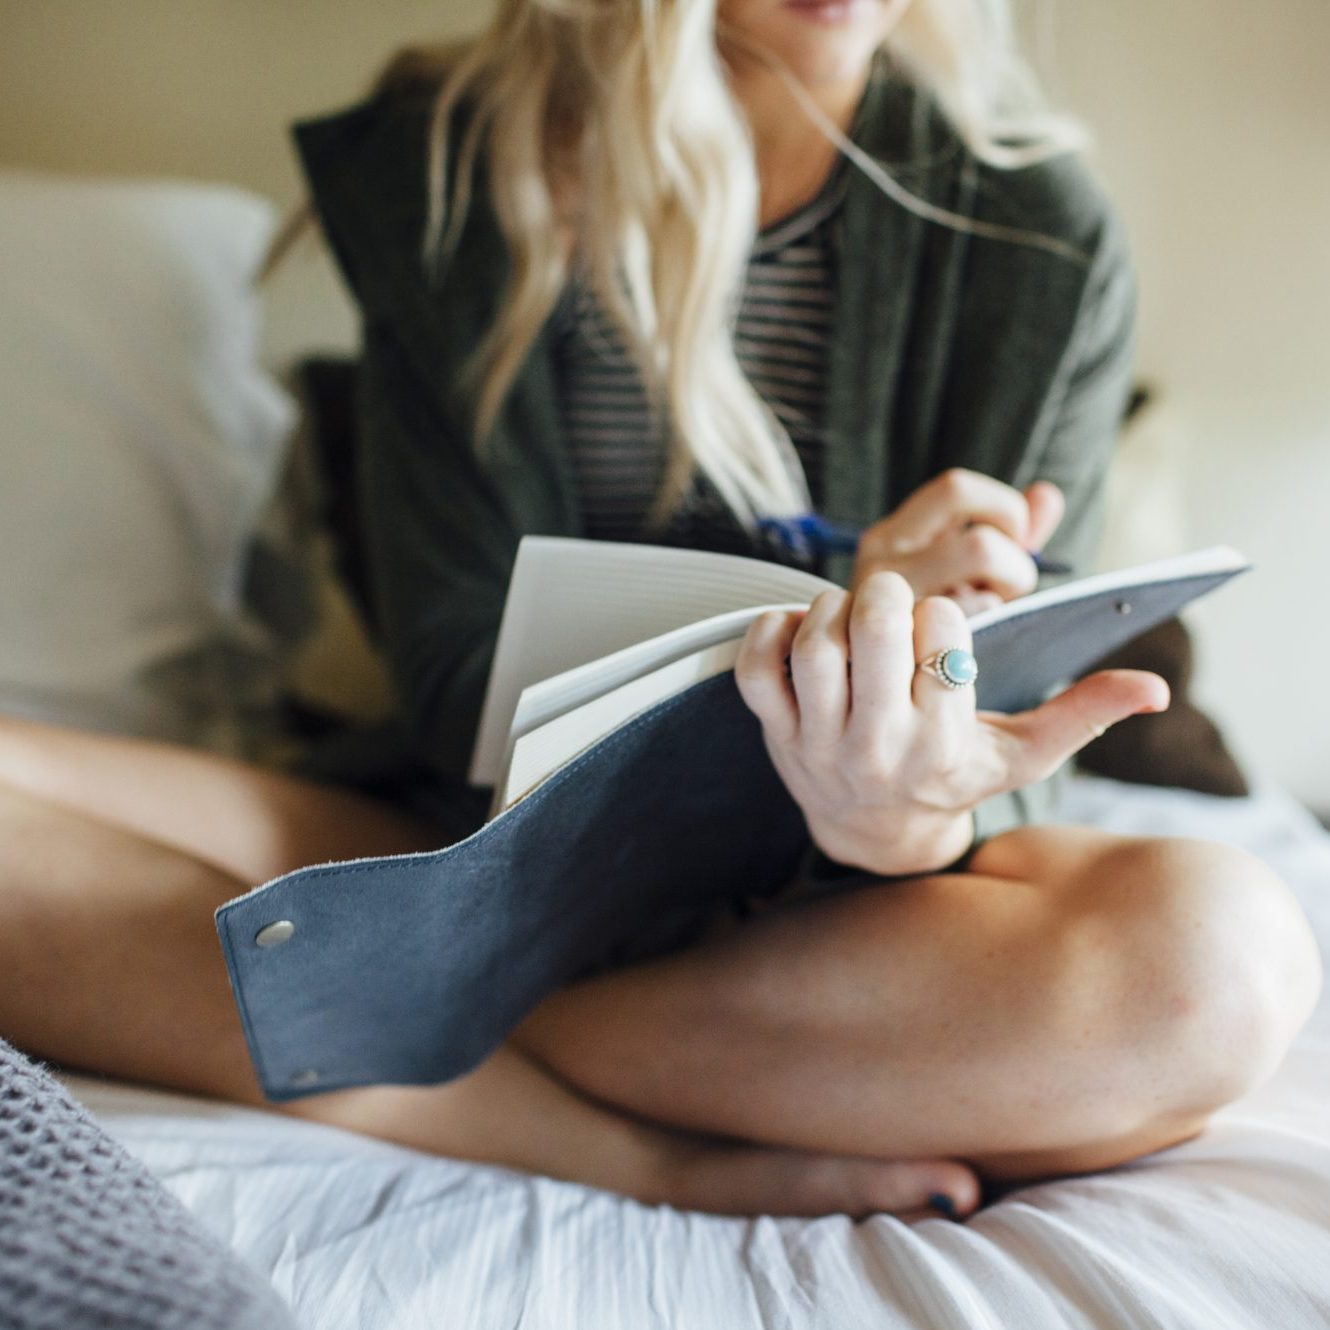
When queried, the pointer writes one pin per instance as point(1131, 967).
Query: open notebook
point(633, 788)
point(595, 632)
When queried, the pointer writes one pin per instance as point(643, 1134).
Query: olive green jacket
point(947, 350)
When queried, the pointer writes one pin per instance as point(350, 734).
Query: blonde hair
point(611, 121)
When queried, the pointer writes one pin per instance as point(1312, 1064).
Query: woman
point(1017, 1001)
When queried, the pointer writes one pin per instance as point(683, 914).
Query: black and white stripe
point(783, 328)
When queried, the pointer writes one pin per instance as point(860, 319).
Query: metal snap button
point(1123, 607)
point(303, 1078)
point(274, 934)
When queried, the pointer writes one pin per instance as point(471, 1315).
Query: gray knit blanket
point(89, 1238)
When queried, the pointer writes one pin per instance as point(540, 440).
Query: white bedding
point(1231, 1229)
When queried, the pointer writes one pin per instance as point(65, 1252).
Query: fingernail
point(941, 1201)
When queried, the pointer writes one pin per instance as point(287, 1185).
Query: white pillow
point(139, 440)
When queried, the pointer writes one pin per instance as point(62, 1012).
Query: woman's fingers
point(978, 557)
point(762, 676)
point(964, 530)
point(1039, 741)
point(1046, 506)
point(819, 667)
point(881, 627)
point(973, 602)
point(953, 499)
point(886, 786)
point(939, 623)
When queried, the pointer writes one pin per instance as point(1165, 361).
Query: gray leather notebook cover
point(412, 969)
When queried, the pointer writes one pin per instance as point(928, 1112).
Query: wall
point(1213, 119)
point(204, 89)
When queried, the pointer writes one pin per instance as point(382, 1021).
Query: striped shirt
point(617, 439)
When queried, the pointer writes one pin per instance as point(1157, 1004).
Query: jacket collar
point(878, 246)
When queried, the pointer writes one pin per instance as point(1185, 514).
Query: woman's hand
point(964, 535)
point(885, 761)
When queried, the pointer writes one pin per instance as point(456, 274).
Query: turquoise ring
point(954, 667)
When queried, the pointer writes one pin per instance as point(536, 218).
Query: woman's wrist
point(914, 845)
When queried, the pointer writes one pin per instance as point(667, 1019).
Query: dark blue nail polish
point(1049, 565)
point(941, 1201)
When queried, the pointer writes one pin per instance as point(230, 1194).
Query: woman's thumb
point(1046, 505)
point(1048, 735)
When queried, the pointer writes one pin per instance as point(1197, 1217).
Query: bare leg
point(1076, 1000)
point(109, 962)
point(251, 823)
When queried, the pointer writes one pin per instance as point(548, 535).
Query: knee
point(1216, 970)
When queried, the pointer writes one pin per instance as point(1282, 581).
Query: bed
point(148, 442)
point(1230, 1229)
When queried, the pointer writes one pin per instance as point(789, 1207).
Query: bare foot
point(726, 1177)
point(510, 1112)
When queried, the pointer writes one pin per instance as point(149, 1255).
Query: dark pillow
point(1179, 747)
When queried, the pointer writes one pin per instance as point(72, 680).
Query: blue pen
point(811, 533)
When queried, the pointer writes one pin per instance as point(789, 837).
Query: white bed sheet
point(1229, 1231)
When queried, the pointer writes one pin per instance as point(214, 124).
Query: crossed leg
point(1072, 1001)
point(1075, 1000)
point(115, 852)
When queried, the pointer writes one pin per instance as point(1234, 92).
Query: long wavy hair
point(614, 150)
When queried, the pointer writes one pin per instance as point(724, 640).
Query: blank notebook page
point(573, 601)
